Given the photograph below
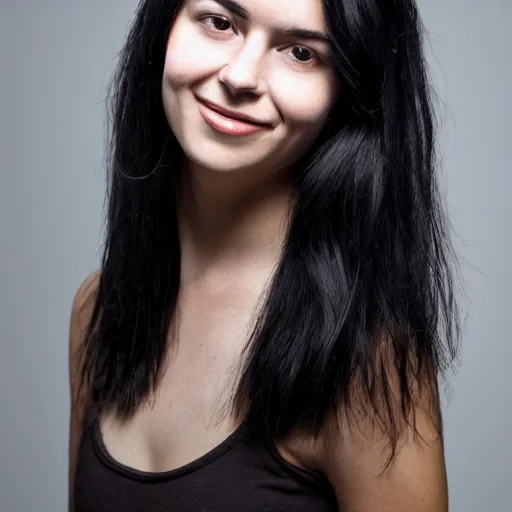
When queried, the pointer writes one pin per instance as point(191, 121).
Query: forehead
point(306, 14)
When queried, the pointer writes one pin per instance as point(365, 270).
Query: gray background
point(55, 60)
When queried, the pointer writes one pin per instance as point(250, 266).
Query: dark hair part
point(363, 302)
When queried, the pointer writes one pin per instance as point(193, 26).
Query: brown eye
point(218, 23)
point(302, 54)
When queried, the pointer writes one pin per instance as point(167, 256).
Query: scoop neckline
point(158, 476)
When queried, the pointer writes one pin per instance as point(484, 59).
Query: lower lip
point(227, 125)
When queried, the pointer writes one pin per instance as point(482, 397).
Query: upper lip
point(230, 113)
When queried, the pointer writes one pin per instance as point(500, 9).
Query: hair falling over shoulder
point(362, 307)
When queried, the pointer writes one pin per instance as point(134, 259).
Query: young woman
point(275, 301)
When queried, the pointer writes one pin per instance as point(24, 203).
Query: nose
point(242, 74)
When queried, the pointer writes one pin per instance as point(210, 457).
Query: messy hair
point(361, 312)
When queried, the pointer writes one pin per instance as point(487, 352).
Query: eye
point(303, 55)
point(216, 23)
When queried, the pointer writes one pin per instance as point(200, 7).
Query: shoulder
point(83, 305)
point(84, 298)
point(81, 311)
point(368, 472)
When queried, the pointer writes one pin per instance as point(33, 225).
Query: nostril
point(239, 78)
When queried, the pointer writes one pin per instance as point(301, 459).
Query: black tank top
point(245, 473)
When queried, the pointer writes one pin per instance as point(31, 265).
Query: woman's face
point(248, 84)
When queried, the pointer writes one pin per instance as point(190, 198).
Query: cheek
point(189, 58)
point(181, 60)
point(304, 101)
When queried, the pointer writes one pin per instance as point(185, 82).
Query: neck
point(230, 221)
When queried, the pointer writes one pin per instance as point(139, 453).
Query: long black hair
point(363, 300)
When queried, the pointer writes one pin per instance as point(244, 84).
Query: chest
point(188, 414)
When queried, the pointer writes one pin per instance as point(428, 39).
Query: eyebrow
point(234, 7)
point(301, 33)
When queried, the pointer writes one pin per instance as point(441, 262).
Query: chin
point(223, 161)
point(220, 156)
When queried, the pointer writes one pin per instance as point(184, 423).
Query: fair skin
point(249, 59)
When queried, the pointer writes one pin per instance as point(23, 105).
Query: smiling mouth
point(229, 122)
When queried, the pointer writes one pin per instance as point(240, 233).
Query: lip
point(229, 122)
point(232, 114)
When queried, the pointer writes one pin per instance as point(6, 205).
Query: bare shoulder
point(82, 306)
point(81, 311)
point(354, 458)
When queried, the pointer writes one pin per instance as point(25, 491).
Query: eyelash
point(213, 18)
point(204, 19)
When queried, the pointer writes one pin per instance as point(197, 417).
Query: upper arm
point(83, 304)
point(355, 455)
